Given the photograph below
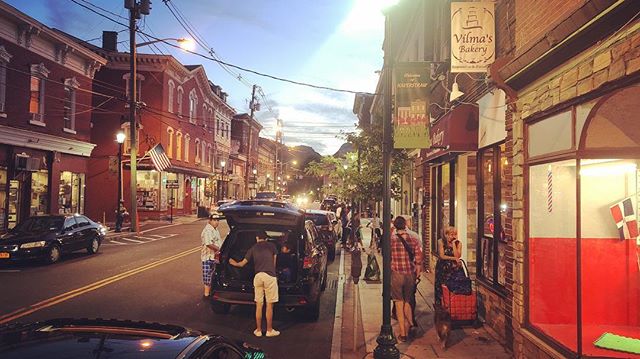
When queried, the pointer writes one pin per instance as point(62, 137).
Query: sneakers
point(273, 333)
point(258, 333)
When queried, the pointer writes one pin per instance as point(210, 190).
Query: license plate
point(4, 255)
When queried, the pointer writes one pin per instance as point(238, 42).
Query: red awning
point(457, 131)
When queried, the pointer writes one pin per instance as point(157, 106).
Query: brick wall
point(536, 17)
point(472, 214)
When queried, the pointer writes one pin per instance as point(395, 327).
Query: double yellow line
point(88, 288)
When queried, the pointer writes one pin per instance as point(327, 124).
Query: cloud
point(65, 18)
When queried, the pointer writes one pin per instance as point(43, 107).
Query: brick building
point(46, 81)
point(181, 110)
point(266, 164)
point(545, 194)
point(246, 131)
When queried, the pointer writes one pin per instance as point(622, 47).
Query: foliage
point(363, 182)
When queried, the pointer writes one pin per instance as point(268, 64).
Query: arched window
point(172, 88)
point(209, 155)
point(193, 105)
point(179, 146)
point(203, 153)
point(210, 118)
point(180, 95)
point(187, 140)
point(170, 142)
point(197, 150)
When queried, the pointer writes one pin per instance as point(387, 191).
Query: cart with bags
point(459, 298)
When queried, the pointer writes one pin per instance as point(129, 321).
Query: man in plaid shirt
point(404, 272)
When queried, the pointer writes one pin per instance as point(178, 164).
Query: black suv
point(301, 264)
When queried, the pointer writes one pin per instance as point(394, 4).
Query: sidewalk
point(466, 342)
point(150, 224)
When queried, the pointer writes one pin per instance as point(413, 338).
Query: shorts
point(208, 267)
point(265, 286)
point(402, 286)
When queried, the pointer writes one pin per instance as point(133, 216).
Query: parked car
point(325, 222)
point(329, 204)
point(301, 263)
point(49, 237)
point(109, 338)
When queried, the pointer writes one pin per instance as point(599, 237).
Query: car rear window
point(318, 219)
point(245, 239)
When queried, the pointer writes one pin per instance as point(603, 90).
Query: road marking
point(336, 340)
point(113, 241)
point(148, 238)
point(18, 313)
point(131, 240)
point(156, 235)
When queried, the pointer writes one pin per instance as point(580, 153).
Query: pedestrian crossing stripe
point(131, 240)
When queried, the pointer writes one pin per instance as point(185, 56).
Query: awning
point(457, 131)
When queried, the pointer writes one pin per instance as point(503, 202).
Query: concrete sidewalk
point(466, 342)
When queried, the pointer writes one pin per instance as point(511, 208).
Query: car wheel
point(220, 308)
point(53, 255)
point(94, 246)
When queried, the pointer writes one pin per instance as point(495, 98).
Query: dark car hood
point(22, 237)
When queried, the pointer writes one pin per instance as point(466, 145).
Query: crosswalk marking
point(140, 239)
point(115, 242)
point(131, 240)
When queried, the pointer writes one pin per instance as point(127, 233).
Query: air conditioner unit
point(25, 163)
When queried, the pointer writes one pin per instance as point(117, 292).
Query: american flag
point(625, 218)
point(159, 157)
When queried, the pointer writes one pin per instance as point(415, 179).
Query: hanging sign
point(473, 35)
point(411, 122)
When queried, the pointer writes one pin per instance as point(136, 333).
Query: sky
point(330, 43)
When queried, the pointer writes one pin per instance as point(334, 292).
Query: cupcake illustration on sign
point(472, 36)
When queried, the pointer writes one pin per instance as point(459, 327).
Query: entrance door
point(187, 196)
point(14, 203)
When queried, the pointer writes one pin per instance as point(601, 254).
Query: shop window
point(39, 73)
point(443, 210)
point(171, 90)
point(148, 190)
point(71, 192)
point(551, 135)
point(39, 193)
point(492, 210)
point(552, 251)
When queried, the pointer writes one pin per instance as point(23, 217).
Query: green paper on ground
point(618, 342)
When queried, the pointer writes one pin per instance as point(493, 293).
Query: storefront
point(583, 259)
point(451, 179)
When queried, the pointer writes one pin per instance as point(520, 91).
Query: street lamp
point(120, 137)
point(184, 43)
point(223, 191)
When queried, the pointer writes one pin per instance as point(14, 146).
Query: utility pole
point(278, 143)
point(135, 10)
point(252, 107)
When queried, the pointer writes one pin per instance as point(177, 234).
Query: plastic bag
point(372, 272)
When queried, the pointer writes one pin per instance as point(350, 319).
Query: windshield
point(40, 224)
point(318, 219)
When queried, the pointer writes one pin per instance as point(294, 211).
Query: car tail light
point(307, 263)
point(302, 300)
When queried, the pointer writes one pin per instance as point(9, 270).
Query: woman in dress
point(449, 253)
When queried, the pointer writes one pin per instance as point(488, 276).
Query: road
point(154, 277)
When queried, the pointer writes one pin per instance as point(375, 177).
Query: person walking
point(406, 266)
point(263, 254)
point(449, 253)
point(211, 243)
point(344, 219)
point(375, 230)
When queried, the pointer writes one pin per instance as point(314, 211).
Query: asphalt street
point(154, 277)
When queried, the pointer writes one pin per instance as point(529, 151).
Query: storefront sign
point(411, 123)
point(472, 36)
point(172, 184)
point(457, 131)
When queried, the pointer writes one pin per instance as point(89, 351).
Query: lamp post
point(120, 137)
point(386, 341)
point(184, 43)
point(223, 191)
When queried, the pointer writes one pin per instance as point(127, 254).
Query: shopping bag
point(372, 272)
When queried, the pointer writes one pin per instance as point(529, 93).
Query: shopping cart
point(463, 308)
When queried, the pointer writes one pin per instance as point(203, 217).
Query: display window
point(443, 210)
point(174, 197)
point(148, 194)
point(71, 192)
point(583, 260)
point(39, 193)
point(492, 211)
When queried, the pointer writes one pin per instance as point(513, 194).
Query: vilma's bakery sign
point(473, 36)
